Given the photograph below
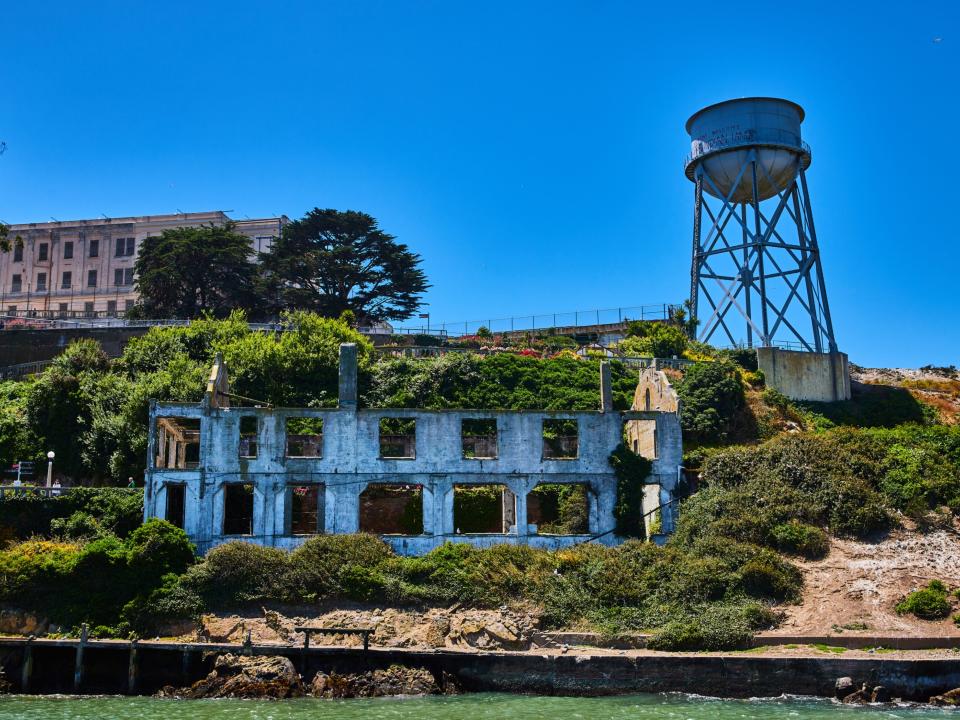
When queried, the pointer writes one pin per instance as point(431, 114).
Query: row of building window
point(123, 247)
point(121, 277)
point(391, 508)
point(65, 308)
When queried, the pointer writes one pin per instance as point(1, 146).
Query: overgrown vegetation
point(714, 596)
point(929, 603)
point(93, 412)
point(105, 582)
point(81, 513)
point(844, 469)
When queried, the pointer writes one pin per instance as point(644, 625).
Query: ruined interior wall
point(350, 461)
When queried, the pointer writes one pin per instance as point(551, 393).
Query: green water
point(464, 707)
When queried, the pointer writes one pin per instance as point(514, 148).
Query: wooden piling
point(133, 669)
point(26, 669)
point(185, 667)
point(78, 663)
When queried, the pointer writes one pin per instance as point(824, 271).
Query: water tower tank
point(723, 135)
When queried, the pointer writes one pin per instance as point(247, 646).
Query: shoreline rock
point(395, 680)
point(236, 676)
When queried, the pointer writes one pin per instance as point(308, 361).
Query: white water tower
point(756, 278)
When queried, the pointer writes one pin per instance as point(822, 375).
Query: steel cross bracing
point(744, 263)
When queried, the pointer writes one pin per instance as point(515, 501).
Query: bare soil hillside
point(937, 387)
point(859, 584)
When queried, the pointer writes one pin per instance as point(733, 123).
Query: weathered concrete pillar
point(508, 505)
point(348, 375)
point(606, 388)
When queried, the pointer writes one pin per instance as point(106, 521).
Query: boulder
point(238, 676)
point(843, 687)
point(880, 694)
point(395, 680)
point(860, 697)
point(948, 699)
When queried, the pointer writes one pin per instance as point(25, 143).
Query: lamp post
point(50, 456)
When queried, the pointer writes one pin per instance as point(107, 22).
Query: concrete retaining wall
point(107, 668)
point(819, 377)
point(25, 346)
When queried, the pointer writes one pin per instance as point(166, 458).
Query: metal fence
point(545, 321)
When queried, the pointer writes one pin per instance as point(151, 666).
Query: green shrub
point(236, 573)
point(331, 566)
point(799, 538)
point(770, 577)
point(72, 583)
point(929, 603)
point(712, 627)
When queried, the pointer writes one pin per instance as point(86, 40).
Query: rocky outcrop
point(237, 676)
point(848, 696)
point(948, 699)
point(395, 680)
point(504, 628)
point(24, 622)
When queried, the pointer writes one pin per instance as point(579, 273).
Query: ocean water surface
point(463, 707)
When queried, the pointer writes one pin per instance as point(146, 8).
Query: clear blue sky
point(530, 151)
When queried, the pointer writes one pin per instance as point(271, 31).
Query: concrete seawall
point(61, 666)
point(25, 346)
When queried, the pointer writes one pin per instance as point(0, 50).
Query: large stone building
point(84, 268)
point(276, 476)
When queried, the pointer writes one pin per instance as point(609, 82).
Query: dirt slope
point(860, 582)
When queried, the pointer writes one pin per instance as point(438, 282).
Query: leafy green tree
point(186, 272)
point(58, 402)
point(17, 439)
point(656, 339)
point(712, 396)
point(331, 261)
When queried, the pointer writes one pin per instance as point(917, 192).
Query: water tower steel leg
point(815, 248)
point(811, 298)
point(745, 277)
point(765, 339)
point(695, 262)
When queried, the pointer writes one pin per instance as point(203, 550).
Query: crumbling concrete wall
point(659, 440)
point(820, 377)
point(350, 461)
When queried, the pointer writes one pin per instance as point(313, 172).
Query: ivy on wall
point(631, 471)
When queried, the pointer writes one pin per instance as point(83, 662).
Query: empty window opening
point(646, 399)
point(479, 438)
point(304, 437)
point(398, 438)
point(641, 437)
point(177, 443)
point(306, 509)
point(176, 504)
point(559, 509)
point(561, 440)
point(484, 509)
point(392, 509)
point(248, 436)
point(237, 509)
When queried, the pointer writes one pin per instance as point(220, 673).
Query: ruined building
point(418, 478)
